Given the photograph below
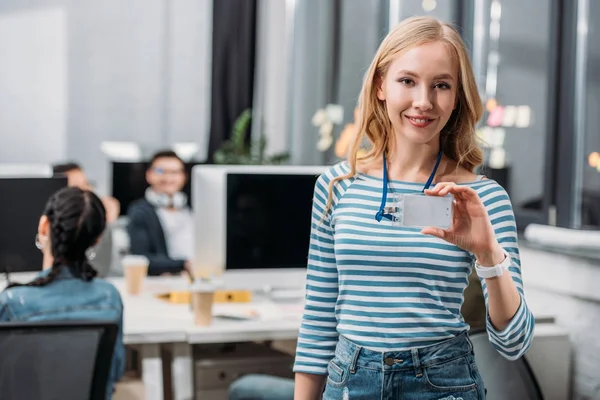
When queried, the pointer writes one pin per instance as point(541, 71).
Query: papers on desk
point(258, 311)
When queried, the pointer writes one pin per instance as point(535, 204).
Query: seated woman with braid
point(66, 289)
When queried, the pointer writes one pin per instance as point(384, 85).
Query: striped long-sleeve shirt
point(391, 288)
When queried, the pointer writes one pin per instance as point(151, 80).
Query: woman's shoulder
point(61, 297)
point(4, 297)
point(15, 294)
point(479, 182)
point(333, 173)
point(333, 183)
point(336, 170)
point(373, 167)
point(6, 313)
point(453, 172)
point(103, 294)
point(485, 187)
point(102, 283)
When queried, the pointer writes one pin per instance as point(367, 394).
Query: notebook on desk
point(260, 312)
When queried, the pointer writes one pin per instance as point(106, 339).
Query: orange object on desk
point(221, 296)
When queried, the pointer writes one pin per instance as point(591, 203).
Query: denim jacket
point(68, 298)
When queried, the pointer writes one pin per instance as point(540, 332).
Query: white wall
point(189, 53)
point(272, 73)
point(117, 79)
point(33, 85)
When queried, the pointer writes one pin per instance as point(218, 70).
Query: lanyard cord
point(380, 214)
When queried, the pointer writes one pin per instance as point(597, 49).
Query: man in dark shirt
point(161, 225)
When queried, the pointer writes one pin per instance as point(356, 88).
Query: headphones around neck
point(163, 200)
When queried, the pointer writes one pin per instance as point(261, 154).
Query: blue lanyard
point(380, 214)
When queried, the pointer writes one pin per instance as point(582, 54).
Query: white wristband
point(496, 270)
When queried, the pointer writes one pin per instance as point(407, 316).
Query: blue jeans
point(444, 371)
point(262, 387)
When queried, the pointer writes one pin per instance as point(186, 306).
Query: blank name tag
point(420, 211)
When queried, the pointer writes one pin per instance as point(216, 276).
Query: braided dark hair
point(77, 219)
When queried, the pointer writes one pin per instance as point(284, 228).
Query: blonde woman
point(382, 316)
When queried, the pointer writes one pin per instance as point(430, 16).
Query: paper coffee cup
point(135, 269)
point(203, 294)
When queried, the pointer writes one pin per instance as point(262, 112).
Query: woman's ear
point(44, 227)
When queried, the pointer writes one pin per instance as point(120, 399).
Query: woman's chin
point(421, 137)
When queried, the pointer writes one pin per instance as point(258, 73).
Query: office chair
point(51, 360)
point(503, 379)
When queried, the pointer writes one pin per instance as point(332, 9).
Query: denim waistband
point(356, 356)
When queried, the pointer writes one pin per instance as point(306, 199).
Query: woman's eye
point(442, 85)
point(406, 81)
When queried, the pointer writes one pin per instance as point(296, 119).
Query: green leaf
point(240, 126)
point(239, 150)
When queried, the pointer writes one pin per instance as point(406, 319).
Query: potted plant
point(240, 150)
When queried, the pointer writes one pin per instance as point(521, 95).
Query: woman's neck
point(47, 260)
point(412, 162)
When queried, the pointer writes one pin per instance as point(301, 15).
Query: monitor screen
point(21, 205)
point(268, 220)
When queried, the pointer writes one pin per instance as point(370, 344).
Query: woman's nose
point(423, 99)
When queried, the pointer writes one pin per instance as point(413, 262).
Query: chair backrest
point(51, 360)
point(503, 379)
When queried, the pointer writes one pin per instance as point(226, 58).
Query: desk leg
point(182, 372)
point(152, 375)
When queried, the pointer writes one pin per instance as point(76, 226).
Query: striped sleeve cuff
point(314, 352)
point(513, 341)
point(306, 365)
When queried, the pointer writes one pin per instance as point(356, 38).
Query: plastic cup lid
point(203, 285)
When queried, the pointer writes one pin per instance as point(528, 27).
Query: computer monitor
point(252, 217)
point(129, 182)
point(21, 205)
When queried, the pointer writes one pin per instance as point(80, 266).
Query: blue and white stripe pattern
point(390, 288)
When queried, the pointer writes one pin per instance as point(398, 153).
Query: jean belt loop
point(355, 359)
point(470, 342)
point(416, 362)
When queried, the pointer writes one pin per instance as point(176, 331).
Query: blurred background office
point(106, 84)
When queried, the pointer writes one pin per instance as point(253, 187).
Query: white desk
point(149, 322)
point(148, 319)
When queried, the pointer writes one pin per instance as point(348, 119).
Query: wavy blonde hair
point(458, 135)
